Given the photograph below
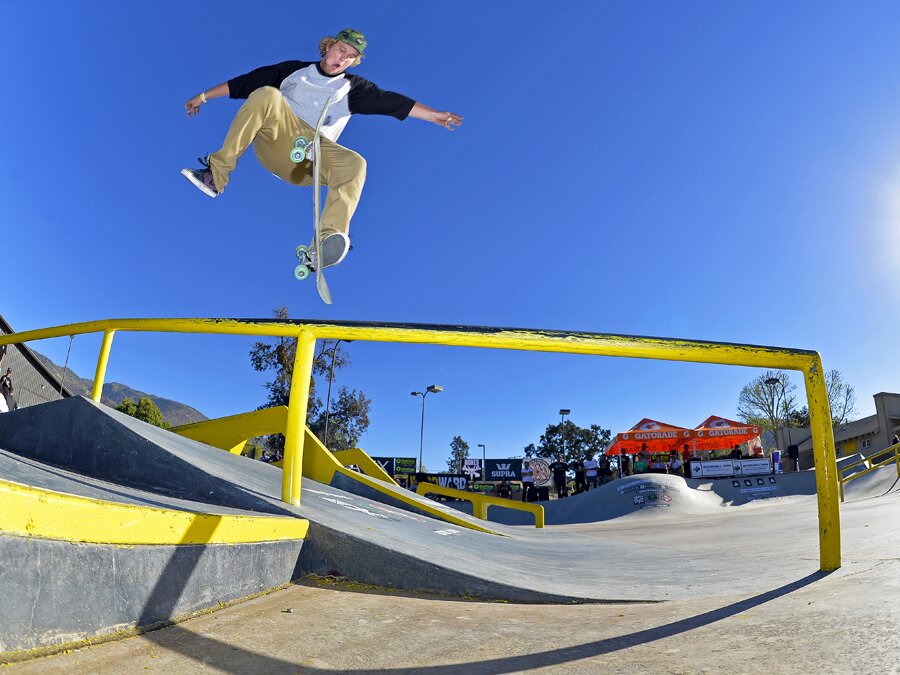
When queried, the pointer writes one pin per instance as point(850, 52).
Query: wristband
point(203, 97)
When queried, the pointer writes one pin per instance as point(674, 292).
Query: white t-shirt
point(590, 466)
point(527, 475)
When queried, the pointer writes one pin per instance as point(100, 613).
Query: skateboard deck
point(303, 148)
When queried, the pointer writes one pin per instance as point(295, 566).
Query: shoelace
point(204, 161)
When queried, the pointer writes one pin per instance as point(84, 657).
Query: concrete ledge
point(32, 511)
point(60, 592)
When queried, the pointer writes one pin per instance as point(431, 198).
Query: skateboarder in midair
point(283, 102)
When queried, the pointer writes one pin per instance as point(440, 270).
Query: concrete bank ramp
point(380, 543)
point(653, 496)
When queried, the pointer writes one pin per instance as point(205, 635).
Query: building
point(868, 436)
point(32, 382)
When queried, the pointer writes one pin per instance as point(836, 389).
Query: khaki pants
point(267, 121)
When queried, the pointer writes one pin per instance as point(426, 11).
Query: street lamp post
point(330, 380)
point(562, 423)
point(433, 389)
point(483, 461)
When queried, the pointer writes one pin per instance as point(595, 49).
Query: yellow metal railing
point(481, 503)
point(308, 331)
point(893, 451)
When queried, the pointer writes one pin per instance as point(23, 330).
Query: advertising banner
point(457, 481)
point(386, 463)
point(397, 466)
point(755, 467)
point(498, 469)
point(472, 469)
point(404, 465)
point(717, 468)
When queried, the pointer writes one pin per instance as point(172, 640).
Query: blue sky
point(722, 171)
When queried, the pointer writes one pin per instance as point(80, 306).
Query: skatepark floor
point(801, 622)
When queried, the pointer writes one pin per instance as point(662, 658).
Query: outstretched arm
point(445, 119)
point(193, 106)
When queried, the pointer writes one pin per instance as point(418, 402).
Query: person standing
point(6, 387)
point(675, 466)
point(580, 478)
point(560, 469)
point(590, 469)
point(527, 482)
point(284, 102)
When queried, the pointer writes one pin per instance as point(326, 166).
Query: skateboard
point(306, 149)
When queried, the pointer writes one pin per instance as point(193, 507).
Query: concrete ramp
point(653, 496)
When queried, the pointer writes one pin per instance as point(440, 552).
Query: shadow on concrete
point(228, 658)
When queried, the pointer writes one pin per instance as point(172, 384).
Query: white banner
point(755, 467)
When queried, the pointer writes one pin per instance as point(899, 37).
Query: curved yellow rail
point(601, 344)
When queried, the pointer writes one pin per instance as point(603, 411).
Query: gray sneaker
point(202, 178)
point(334, 249)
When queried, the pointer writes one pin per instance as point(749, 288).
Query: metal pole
point(100, 374)
point(422, 430)
point(294, 434)
point(328, 403)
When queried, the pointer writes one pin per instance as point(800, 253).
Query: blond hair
point(326, 44)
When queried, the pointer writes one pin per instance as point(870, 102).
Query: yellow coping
point(366, 464)
point(232, 433)
point(481, 503)
point(308, 331)
point(34, 512)
point(895, 449)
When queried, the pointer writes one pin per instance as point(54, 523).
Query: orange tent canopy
point(719, 433)
point(656, 436)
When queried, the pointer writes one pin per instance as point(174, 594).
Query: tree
point(571, 442)
point(347, 422)
point(772, 405)
point(459, 452)
point(841, 398)
point(144, 410)
point(767, 405)
point(278, 356)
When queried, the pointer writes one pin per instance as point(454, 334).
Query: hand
point(193, 106)
point(448, 120)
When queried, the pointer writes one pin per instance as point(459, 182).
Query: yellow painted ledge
point(34, 512)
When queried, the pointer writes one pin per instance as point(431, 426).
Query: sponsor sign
point(404, 465)
point(397, 466)
point(386, 463)
point(498, 469)
point(755, 467)
point(541, 469)
point(457, 481)
point(472, 469)
point(716, 468)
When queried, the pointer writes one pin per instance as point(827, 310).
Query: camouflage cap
point(353, 38)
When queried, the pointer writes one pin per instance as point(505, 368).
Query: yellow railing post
point(826, 466)
point(100, 374)
point(292, 472)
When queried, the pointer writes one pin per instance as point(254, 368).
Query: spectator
point(640, 464)
point(504, 490)
point(605, 471)
point(6, 387)
point(580, 478)
point(736, 452)
point(590, 470)
point(657, 464)
point(559, 469)
point(794, 455)
point(686, 459)
point(675, 466)
point(527, 482)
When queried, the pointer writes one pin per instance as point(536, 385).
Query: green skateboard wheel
point(301, 142)
point(301, 272)
point(298, 155)
point(301, 251)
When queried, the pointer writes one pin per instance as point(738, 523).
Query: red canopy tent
point(719, 433)
point(656, 436)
